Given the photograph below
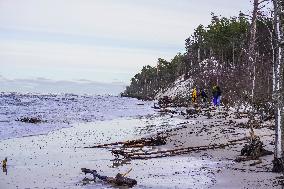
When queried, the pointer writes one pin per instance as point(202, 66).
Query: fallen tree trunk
point(153, 141)
point(172, 152)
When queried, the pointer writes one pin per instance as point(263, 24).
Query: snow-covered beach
point(50, 154)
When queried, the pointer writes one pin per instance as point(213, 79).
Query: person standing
point(194, 95)
point(203, 96)
point(219, 92)
point(216, 92)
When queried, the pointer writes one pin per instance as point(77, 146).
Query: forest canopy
point(217, 54)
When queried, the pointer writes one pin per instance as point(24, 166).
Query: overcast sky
point(98, 40)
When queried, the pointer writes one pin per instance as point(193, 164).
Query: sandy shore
point(219, 129)
point(54, 160)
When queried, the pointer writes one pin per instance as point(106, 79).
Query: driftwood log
point(118, 180)
point(153, 141)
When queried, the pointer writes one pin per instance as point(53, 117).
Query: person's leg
point(215, 101)
point(219, 100)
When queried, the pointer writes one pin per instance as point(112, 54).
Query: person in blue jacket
point(216, 92)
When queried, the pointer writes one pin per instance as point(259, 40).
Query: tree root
point(254, 149)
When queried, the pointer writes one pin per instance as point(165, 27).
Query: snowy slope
point(180, 88)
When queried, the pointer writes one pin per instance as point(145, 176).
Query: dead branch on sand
point(118, 180)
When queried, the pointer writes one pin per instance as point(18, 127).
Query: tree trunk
point(233, 54)
point(251, 52)
point(198, 55)
point(281, 57)
point(278, 88)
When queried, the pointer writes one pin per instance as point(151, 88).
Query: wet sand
point(54, 160)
